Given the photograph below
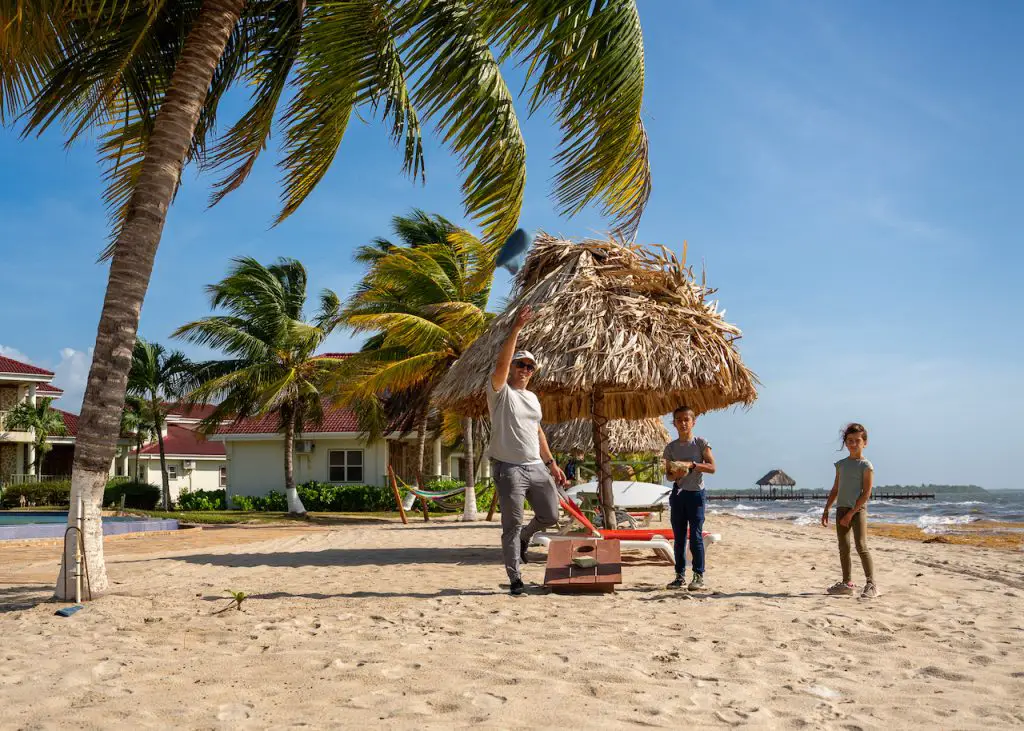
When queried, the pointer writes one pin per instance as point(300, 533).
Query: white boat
point(627, 493)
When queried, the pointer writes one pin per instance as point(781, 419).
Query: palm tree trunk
point(130, 270)
point(469, 510)
point(138, 453)
point(165, 482)
point(421, 444)
point(294, 501)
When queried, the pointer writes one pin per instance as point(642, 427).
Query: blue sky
point(848, 173)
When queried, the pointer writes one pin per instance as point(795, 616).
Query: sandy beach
point(375, 623)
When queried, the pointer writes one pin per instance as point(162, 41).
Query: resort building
point(193, 463)
point(333, 452)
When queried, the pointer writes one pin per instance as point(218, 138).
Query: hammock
point(442, 498)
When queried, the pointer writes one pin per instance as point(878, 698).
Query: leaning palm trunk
point(165, 482)
point(130, 270)
point(469, 511)
point(291, 492)
point(421, 445)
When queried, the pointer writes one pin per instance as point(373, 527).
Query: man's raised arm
point(500, 373)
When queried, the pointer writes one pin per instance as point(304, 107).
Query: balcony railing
point(9, 480)
point(3, 423)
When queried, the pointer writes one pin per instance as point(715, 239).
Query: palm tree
point(425, 304)
point(158, 376)
point(137, 421)
point(45, 421)
point(272, 367)
point(150, 75)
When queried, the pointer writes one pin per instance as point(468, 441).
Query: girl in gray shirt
point(851, 492)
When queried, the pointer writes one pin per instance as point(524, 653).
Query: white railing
point(28, 479)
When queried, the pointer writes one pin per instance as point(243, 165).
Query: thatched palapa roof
point(641, 435)
point(621, 319)
point(776, 478)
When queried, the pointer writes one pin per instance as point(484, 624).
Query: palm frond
point(460, 87)
point(347, 58)
point(588, 58)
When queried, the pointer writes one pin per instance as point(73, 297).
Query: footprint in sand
point(485, 700)
point(234, 712)
point(933, 671)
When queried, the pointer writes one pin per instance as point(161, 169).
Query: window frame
point(346, 466)
point(172, 472)
point(222, 476)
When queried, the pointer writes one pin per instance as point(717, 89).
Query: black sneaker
point(679, 582)
point(523, 558)
point(516, 588)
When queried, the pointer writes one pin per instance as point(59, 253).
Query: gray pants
point(516, 482)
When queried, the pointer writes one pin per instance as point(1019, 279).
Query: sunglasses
point(525, 364)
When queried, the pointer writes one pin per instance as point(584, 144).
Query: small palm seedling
point(237, 597)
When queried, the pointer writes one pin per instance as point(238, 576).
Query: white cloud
point(14, 354)
point(72, 374)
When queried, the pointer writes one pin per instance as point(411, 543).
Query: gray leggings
point(859, 527)
point(516, 483)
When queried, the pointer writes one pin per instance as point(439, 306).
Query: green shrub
point(323, 497)
point(273, 501)
point(38, 494)
point(201, 500)
point(140, 495)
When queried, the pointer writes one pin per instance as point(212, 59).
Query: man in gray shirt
point(523, 465)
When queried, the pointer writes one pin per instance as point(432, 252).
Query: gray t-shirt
point(851, 480)
point(691, 451)
point(515, 419)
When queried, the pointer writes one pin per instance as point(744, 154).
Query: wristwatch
point(549, 463)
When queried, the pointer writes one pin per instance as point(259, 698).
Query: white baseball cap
point(524, 355)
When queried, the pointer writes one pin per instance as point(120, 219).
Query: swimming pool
point(52, 524)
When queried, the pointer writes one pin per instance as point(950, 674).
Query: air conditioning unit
point(304, 446)
point(190, 464)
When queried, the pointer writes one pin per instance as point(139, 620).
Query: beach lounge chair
point(658, 540)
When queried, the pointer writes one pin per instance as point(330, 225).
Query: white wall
point(204, 476)
point(255, 467)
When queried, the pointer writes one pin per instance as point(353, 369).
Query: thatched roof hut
point(620, 332)
point(621, 319)
point(776, 478)
point(641, 435)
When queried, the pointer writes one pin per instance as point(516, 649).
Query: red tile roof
point(9, 365)
point(45, 389)
point(181, 441)
point(199, 411)
point(70, 423)
point(339, 356)
point(336, 420)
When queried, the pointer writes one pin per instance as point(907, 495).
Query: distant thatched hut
point(621, 332)
point(624, 436)
point(774, 480)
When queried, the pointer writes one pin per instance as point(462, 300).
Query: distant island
point(937, 489)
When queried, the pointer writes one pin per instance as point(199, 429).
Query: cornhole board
point(562, 576)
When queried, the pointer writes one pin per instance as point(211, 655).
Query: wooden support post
point(398, 497)
point(423, 500)
point(599, 421)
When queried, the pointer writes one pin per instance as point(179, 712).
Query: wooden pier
point(820, 495)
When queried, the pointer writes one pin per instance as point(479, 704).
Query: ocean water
point(944, 514)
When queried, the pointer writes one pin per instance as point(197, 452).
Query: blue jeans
point(687, 514)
